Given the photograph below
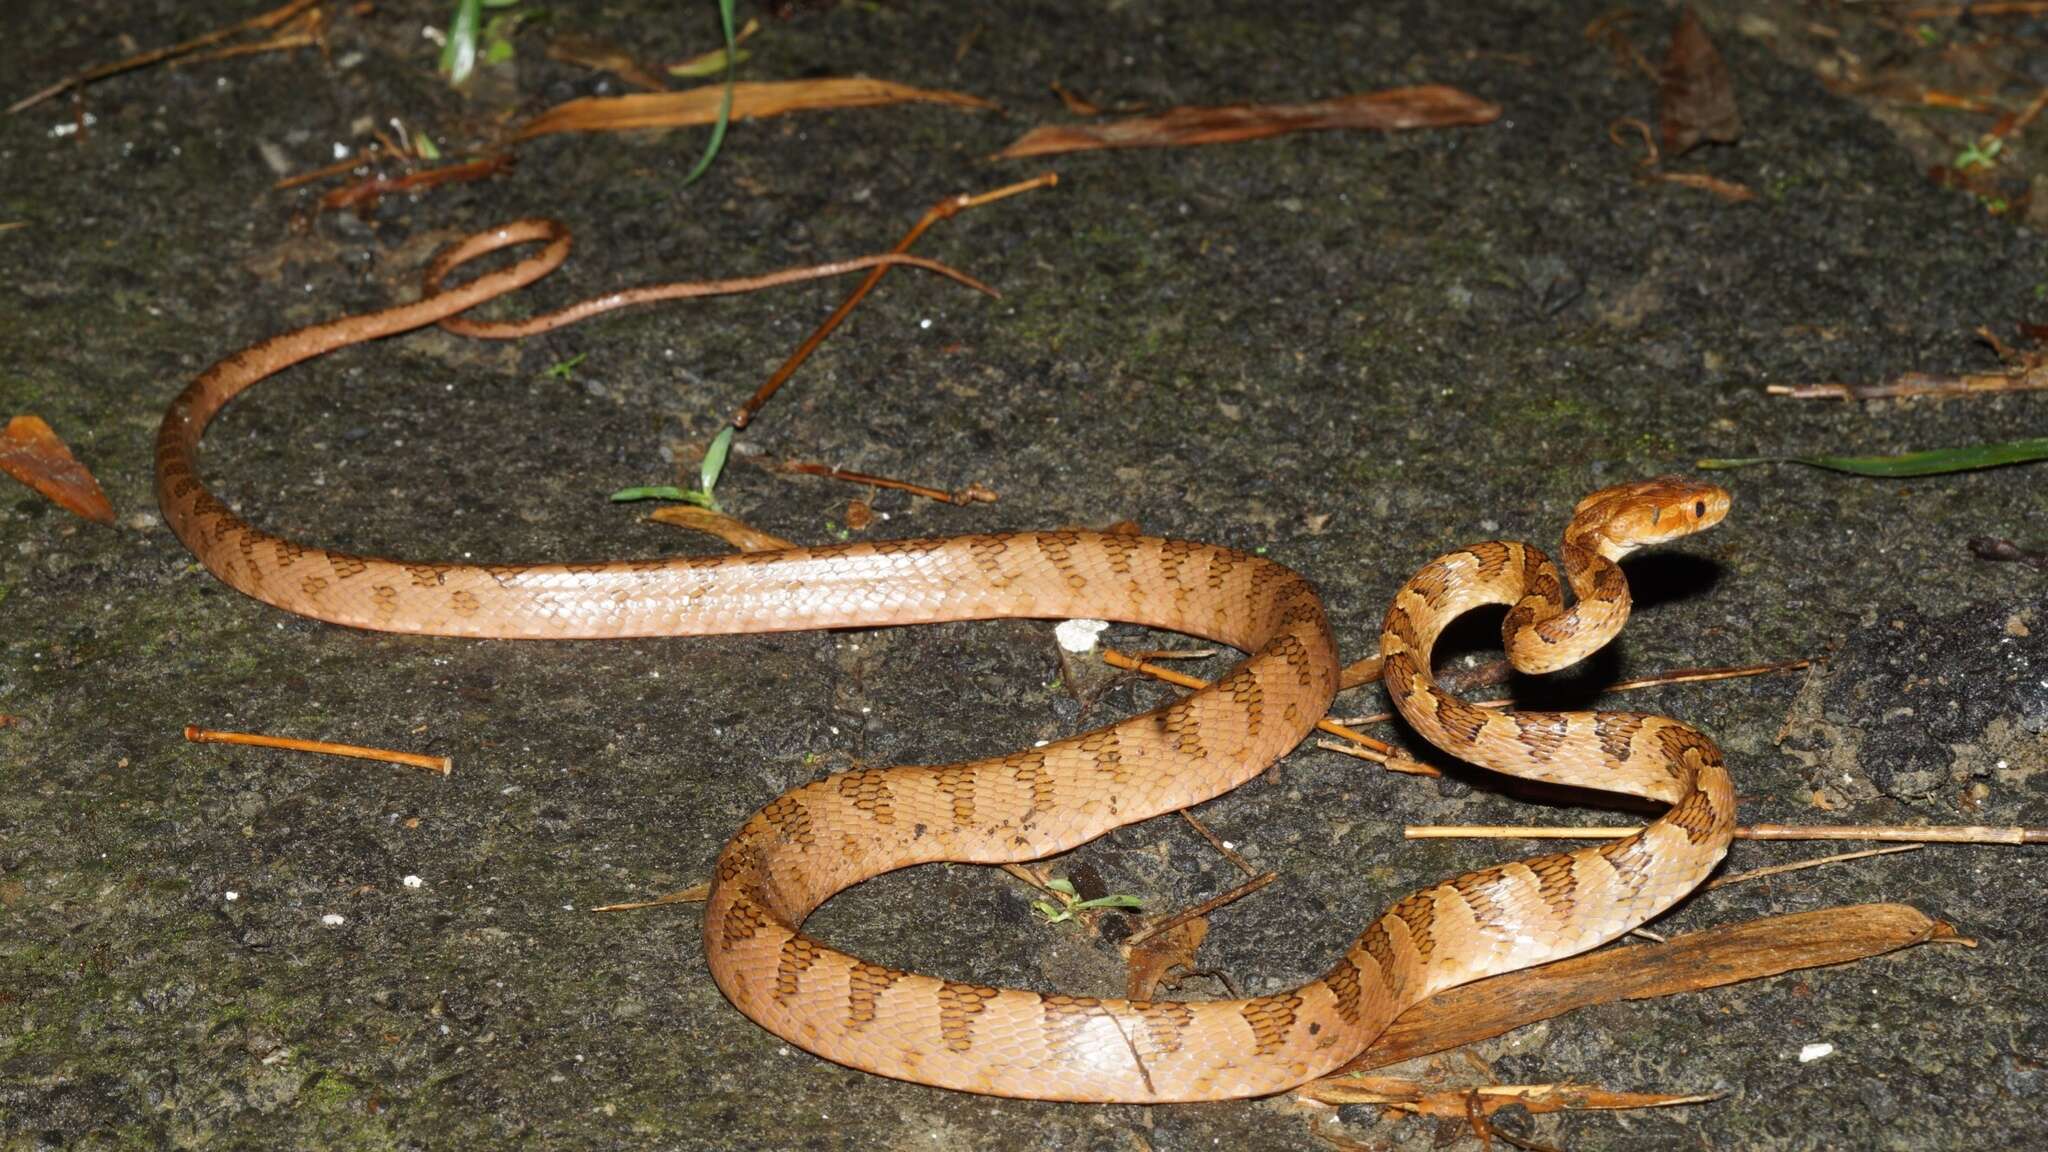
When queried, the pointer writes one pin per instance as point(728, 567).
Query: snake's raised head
point(1618, 520)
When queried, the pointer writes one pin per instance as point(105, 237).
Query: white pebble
point(231, 895)
point(1079, 635)
point(334, 919)
point(1812, 1052)
point(413, 882)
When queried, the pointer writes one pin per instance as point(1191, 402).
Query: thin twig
point(361, 159)
point(694, 894)
point(270, 19)
point(972, 494)
point(1897, 833)
point(944, 209)
point(1802, 865)
point(1203, 909)
point(1216, 842)
point(440, 764)
point(1392, 761)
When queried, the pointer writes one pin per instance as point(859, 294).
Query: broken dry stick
point(973, 493)
point(1689, 963)
point(1203, 909)
point(440, 764)
point(944, 209)
point(1217, 842)
point(1893, 833)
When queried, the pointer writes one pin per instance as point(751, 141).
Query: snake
point(822, 837)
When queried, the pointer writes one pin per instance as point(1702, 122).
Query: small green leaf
point(1063, 886)
point(458, 55)
point(1113, 900)
point(711, 62)
point(425, 146)
point(714, 460)
point(1053, 913)
point(1936, 462)
point(666, 492)
point(562, 369)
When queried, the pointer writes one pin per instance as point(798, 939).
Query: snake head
point(1620, 519)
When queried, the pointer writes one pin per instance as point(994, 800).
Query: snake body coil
point(821, 838)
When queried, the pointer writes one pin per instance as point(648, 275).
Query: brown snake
point(828, 835)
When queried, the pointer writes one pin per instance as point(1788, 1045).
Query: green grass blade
point(714, 460)
point(725, 103)
point(458, 56)
point(1936, 462)
point(665, 492)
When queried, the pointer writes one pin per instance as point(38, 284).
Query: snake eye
point(1699, 507)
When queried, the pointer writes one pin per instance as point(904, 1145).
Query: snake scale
point(818, 839)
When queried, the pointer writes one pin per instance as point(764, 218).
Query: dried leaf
point(1075, 103)
point(859, 515)
point(1708, 959)
point(31, 453)
point(1695, 99)
point(749, 101)
point(1428, 106)
point(718, 524)
point(1151, 962)
point(1416, 1098)
point(603, 56)
point(2029, 377)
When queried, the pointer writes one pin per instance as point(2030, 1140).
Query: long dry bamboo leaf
point(749, 102)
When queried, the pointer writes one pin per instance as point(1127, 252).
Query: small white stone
point(1812, 1052)
point(414, 882)
point(334, 919)
point(231, 896)
point(1079, 635)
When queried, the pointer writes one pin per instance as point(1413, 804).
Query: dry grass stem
point(270, 19)
point(1802, 865)
point(1216, 842)
point(1897, 833)
point(440, 764)
point(972, 494)
point(694, 894)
